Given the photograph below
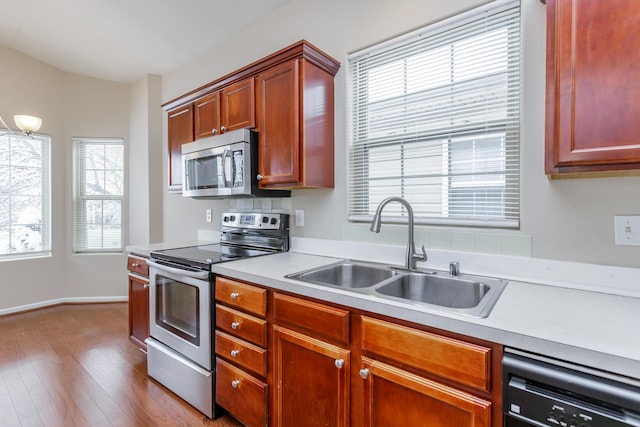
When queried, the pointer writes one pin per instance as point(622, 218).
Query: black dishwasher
point(538, 391)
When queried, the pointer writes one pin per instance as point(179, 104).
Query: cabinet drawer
point(456, 360)
point(136, 264)
point(244, 396)
point(320, 319)
point(242, 296)
point(241, 325)
point(242, 353)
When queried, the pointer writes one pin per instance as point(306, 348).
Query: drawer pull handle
point(135, 265)
point(235, 383)
point(223, 128)
point(235, 353)
point(364, 373)
point(146, 286)
point(339, 363)
point(235, 325)
point(234, 295)
point(214, 131)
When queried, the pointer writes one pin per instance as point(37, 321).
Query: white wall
point(145, 161)
point(69, 105)
point(564, 220)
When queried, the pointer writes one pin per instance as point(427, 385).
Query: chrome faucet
point(411, 256)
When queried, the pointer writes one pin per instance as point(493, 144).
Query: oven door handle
point(200, 275)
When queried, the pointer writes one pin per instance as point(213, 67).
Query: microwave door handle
point(225, 179)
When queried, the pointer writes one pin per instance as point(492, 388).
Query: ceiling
point(122, 40)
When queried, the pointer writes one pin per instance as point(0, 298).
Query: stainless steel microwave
point(223, 166)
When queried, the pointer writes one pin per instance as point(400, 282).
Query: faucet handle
point(420, 257)
point(454, 268)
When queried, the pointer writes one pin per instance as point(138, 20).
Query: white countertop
point(581, 313)
point(590, 328)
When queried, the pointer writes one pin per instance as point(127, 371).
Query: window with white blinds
point(99, 193)
point(25, 196)
point(434, 117)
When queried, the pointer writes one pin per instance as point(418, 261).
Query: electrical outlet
point(299, 217)
point(209, 215)
point(627, 230)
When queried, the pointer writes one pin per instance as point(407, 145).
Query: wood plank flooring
point(73, 365)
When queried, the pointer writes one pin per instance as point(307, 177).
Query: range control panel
point(256, 221)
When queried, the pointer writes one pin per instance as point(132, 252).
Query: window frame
point(359, 194)
point(79, 242)
point(45, 220)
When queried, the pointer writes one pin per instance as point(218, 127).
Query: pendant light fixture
point(27, 124)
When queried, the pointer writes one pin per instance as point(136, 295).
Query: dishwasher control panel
point(538, 391)
point(530, 403)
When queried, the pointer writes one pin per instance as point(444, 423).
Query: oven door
point(180, 311)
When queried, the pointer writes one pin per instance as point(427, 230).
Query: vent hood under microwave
point(223, 166)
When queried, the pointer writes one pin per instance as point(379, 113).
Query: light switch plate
point(627, 230)
point(299, 218)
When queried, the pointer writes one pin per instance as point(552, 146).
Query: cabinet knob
point(364, 373)
point(339, 363)
point(135, 264)
point(235, 383)
point(223, 128)
point(234, 295)
point(234, 353)
point(235, 325)
point(214, 131)
point(146, 286)
point(259, 177)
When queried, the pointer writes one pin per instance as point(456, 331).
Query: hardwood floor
point(73, 365)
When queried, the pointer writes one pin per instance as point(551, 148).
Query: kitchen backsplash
point(267, 205)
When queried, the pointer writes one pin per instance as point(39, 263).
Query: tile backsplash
point(268, 205)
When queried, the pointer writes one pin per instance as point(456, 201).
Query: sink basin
point(346, 274)
point(470, 296)
point(465, 294)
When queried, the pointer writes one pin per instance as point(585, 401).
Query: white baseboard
point(58, 301)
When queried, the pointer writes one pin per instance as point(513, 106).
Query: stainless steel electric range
point(180, 351)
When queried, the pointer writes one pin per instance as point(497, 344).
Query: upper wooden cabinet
point(180, 132)
point(234, 107)
point(288, 97)
point(295, 120)
point(592, 107)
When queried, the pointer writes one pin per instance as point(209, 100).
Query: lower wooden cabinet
point(326, 365)
point(311, 381)
point(138, 300)
point(395, 397)
point(241, 351)
point(243, 395)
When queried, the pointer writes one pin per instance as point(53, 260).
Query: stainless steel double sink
point(464, 294)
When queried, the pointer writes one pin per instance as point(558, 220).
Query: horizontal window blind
point(25, 196)
point(99, 190)
point(434, 117)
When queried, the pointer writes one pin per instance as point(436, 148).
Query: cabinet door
point(180, 132)
point(138, 310)
point(592, 103)
point(311, 381)
point(394, 397)
point(239, 105)
point(279, 125)
point(207, 115)
point(244, 396)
